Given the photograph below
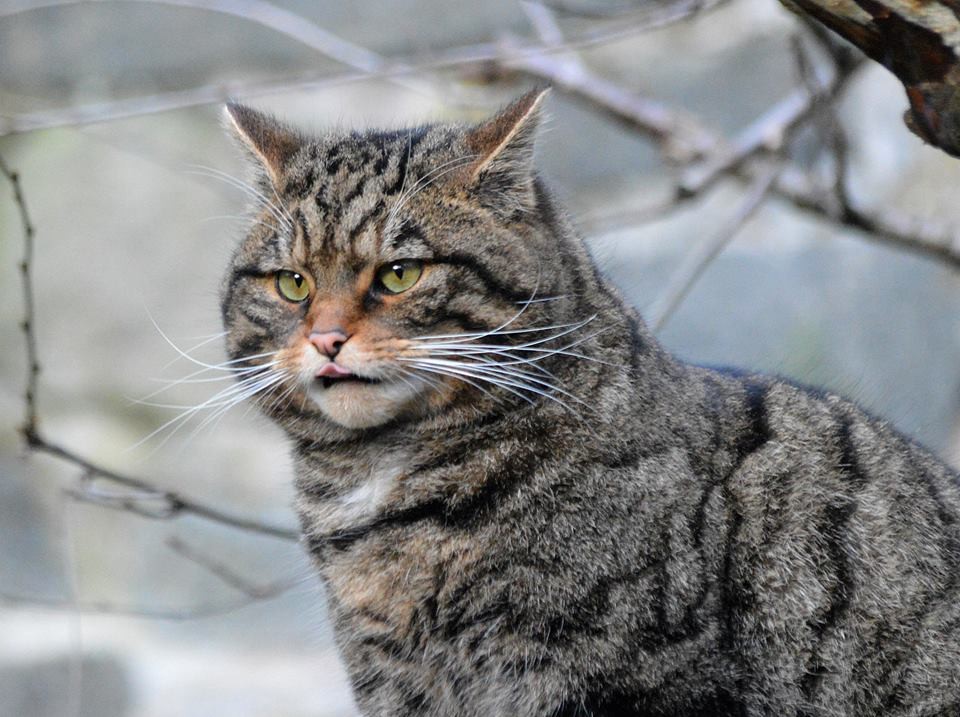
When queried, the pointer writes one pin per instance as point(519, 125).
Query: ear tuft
point(269, 141)
point(505, 141)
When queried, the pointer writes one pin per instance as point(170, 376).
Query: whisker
point(218, 414)
point(451, 349)
point(542, 300)
point(213, 367)
point(252, 192)
point(426, 180)
point(461, 377)
point(497, 332)
point(218, 397)
point(259, 199)
point(231, 373)
point(206, 340)
point(281, 397)
point(486, 371)
point(225, 397)
point(210, 379)
point(514, 386)
point(245, 220)
point(481, 354)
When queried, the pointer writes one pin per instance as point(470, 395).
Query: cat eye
point(398, 276)
point(292, 286)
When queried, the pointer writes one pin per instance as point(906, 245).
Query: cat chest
point(393, 588)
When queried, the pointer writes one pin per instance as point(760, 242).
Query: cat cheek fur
point(582, 525)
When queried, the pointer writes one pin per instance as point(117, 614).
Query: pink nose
point(328, 342)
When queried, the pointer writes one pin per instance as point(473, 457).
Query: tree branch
point(260, 12)
point(696, 262)
point(918, 43)
point(173, 504)
point(227, 575)
point(923, 237)
point(29, 425)
point(476, 56)
point(103, 607)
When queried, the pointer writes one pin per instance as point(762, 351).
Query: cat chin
point(361, 405)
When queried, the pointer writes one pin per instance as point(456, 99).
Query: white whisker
point(426, 180)
point(229, 374)
point(227, 397)
point(206, 340)
point(521, 379)
point(276, 211)
point(461, 376)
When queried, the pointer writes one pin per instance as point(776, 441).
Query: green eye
point(292, 286)
point(398, 276)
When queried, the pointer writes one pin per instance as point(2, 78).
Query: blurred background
point(111, 603)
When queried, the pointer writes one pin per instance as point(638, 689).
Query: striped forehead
point(346, 187)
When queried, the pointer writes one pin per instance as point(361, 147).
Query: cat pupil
point(398, 270)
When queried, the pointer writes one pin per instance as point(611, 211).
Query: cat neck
point(454, 463)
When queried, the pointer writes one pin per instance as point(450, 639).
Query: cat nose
point(328, 343)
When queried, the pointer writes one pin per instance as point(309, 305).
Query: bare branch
point(680, 135)
point(27, 325)
point(172, 505)
point(252, 593)
point(697, 261)
point(567, 72)
point(227, 574)
point(924, 237)
point(98, 607)
point(618, 11)
point(918, 43)
point(271, 16)
point(768, 131)
point(465, 56)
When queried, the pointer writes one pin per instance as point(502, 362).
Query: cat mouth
point(332, 373)
point(328, 381)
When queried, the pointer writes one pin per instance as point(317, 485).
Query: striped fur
point(638, 537)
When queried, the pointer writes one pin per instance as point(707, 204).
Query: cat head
point(384, 269)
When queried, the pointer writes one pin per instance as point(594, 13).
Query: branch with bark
point(919, 42)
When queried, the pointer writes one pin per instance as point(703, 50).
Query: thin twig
point(915, 235)
point(767, 132)
point(261, 12)
point(697, 261)
point(29, 426)
point(252, 593)
point(227, 575)
point(594, 12)
point(681, 135)
point(99, 607)
point(477, 55)
point(173, 504)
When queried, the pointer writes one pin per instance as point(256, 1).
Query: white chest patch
point(362, 504)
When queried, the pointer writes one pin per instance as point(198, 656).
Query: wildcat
point(520, 504)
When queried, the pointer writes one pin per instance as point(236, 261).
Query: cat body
point(542, 512)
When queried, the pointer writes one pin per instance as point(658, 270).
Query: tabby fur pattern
point(520, 504)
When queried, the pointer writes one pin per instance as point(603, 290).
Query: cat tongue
point(331, 369)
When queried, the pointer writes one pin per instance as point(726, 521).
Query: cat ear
point(270, 142)
point(504, 148)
